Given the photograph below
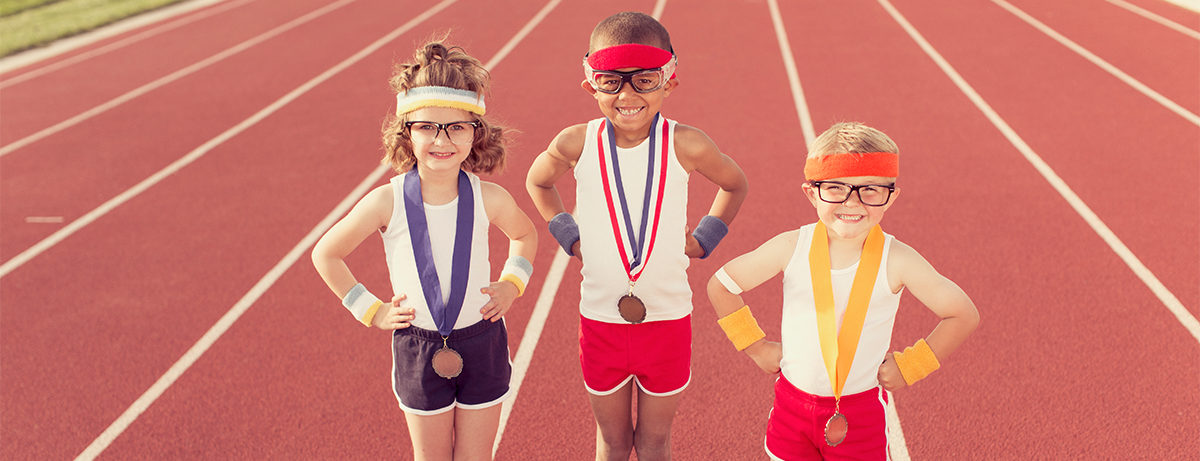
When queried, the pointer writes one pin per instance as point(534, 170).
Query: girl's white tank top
point(397, 246)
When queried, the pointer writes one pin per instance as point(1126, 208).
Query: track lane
point(1095, 155)
point(1163, 59)
point(59, 95)
point(106, 155)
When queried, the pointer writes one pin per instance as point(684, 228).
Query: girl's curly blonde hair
point(437, 64)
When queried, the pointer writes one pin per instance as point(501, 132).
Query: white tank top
point(803, 364)
point(663, 284)
point(397, 246)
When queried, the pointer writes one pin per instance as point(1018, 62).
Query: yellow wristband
point(916, 362)
point(515, 281)
point(370, 314)
point(741, 328)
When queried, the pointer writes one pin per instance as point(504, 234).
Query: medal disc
point(631, 308)
point(447, 363)
point(835, 429)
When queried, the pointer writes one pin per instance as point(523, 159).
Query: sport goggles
point(642, 81)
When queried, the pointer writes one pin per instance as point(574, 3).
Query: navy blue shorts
point(484, 380)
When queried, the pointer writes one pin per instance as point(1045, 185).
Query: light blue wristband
point(564, 229)
point(709, 233)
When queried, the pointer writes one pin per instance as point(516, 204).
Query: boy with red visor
point(842, 281)
point(631, 169)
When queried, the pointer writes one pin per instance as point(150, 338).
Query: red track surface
point(1075, 359)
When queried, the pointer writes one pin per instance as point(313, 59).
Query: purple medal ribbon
point(635, 242)
point(444, 314)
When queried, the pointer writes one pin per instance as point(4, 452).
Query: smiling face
point(631, 112)
point(850, 220)
point(440, 155)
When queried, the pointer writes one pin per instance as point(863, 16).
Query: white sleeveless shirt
point(663, 285)
point(803, 365)
point(442, 219)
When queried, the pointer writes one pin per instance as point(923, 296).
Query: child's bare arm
point(940, 295)
point(547, 168)
point(747, 272)
point(370, 214)
point(522, 235)
point(697, 152)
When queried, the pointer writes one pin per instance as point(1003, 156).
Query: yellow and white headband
point(439, 96)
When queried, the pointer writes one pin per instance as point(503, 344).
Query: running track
point(159, 200)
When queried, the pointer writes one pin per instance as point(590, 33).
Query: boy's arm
point(547, 168)
point(369, 215)
point(522, 235)
point(940, 295)
point(747, 272)
point(697, 152)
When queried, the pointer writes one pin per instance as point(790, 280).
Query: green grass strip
point(63, 18)
point(8, 7)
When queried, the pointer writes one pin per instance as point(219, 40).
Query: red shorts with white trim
point(796, 429)
point(658, 355)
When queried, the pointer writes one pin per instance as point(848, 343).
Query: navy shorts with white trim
point(484, 380)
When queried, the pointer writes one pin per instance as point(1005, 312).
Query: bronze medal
point(447, 363)
point(835, 429)
point(632, 309)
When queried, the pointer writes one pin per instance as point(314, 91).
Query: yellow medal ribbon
point(838, 348)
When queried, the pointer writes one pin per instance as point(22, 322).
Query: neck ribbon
point(444, 314)
point(838, 350)
point(634, 261)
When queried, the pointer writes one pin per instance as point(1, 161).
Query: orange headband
point(884, 164)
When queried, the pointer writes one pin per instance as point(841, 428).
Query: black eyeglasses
point(427, 132)
point(868, 194)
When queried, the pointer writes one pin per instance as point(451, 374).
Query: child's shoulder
point(568, 144)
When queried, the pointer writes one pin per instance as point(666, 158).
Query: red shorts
point(658, 355)
point(796, 429)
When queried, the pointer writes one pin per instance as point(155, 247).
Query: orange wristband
point(741, 328)
point(916, 362)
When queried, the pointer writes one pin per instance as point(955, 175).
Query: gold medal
point(835, 429)
point(446, 361)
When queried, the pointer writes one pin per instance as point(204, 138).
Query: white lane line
point(122, 99)
point(1164, 295)
point(897, 447)
point(1156, 18)
point(121, 43)
point(533, 333)
point(177, 165)
point(541, 309)
point(1111, 69)
point(192, 355)
point(789, 63)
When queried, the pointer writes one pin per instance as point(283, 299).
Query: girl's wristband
point(517, 270)
point(362, 304)
point(565, 230)
point(741, 328)
point(916, 362)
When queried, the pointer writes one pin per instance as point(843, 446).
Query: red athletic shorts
point(796, 429)
point(658, 355)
